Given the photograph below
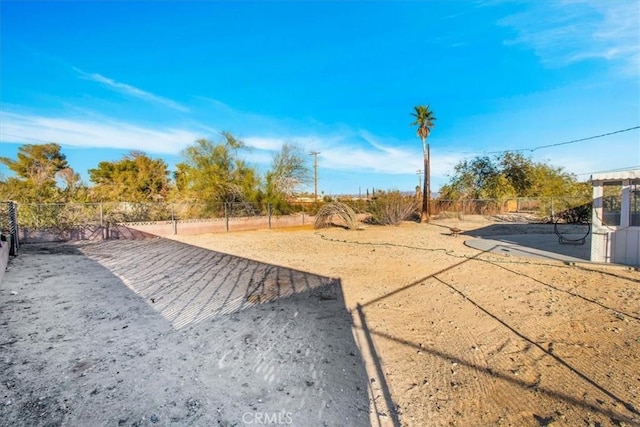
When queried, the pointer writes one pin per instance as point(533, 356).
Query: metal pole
point(173, 219)
point(315, 174)
point(102, 221)
point(226, 216)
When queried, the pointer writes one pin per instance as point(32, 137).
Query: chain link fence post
point(173, 219)
point(226, 216)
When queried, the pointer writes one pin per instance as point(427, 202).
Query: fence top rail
point(506, 199)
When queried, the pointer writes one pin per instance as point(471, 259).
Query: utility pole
point(419, 173)
point(315, 174)
point(427, 174)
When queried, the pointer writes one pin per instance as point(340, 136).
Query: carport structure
point(615, 234)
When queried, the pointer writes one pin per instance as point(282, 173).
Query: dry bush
point(390, 208)
point(576, 215)
point(345, 216)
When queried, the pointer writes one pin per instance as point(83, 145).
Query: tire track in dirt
point(571, 334)
point(558, 374)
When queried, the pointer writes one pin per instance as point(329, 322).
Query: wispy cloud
point(358, 152)
point(341, 148)
point(130, 90)
point(343, 151)
point(562, 32)
point(105, 133)
point(267, 143)
point(338, 151)
point(351, 157)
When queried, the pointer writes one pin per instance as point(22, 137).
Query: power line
point(622, 169)
point(567, 142)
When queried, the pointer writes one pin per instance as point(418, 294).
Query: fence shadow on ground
point(259, 339)
point(619, 417)
point(298, 312)
point(188, 284)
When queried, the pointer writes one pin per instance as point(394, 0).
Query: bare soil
point(382, 326)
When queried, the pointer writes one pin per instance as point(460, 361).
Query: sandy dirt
point(383, 326)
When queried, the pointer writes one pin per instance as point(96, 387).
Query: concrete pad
point(540, 246)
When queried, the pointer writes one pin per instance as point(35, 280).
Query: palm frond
point(343, 215)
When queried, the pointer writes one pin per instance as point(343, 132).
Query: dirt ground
point(382, 326)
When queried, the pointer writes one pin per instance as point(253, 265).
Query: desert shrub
point(391, 207)
point(58, 216)
point(336, 213)
point(576, 215)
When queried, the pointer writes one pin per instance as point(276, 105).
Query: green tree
point(288, 171)
point(549, 181)
point(425, 120)
point(510, 175)
point(35, 171)
point(72, 189)
point(479, 178)
point(517, 169)
point(213, 173)
point(134, 178)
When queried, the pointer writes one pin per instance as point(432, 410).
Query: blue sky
point(341, 78)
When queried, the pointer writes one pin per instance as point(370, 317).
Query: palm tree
point(425, 119)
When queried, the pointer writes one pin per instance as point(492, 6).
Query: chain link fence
point(542, 210)
point(95, 221)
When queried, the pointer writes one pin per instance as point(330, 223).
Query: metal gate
point(9, 224)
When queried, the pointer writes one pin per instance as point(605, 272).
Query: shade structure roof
point(616, 175)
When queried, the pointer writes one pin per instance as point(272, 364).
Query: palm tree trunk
point(428, 173)
point(426, 191)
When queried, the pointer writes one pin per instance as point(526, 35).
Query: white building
point(615, 234)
